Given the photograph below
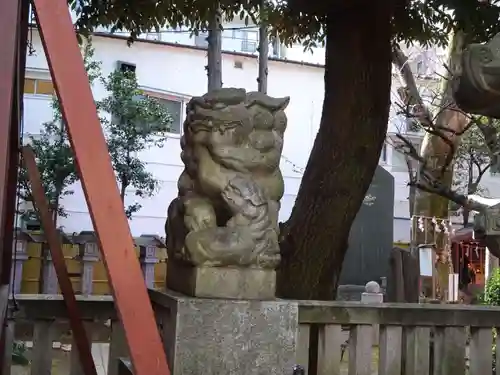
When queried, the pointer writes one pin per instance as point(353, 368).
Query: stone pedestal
point(221, 282)
point(227, 337)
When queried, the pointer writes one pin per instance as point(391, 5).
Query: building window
point(174, 105)
point(200, 40)
point(398, 161)
point(383, 154)
point(38, 86)
point(249, 40)
point(412, 125)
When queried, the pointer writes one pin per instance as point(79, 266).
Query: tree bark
point(434, 149)
point(214, 52)
point(263, 52)
point(345, 153)
point(439, 156)
point(441, 132)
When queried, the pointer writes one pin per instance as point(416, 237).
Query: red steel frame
point(54, 241)
point(12, 61)
point(96, 173)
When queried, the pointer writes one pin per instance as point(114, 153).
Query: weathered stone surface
point(226, 211)
point(487, 222)
point(476, 88)
point(221, 282)
point(228, 337)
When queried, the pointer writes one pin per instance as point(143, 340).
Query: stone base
point(221, 282)
point(227, 337)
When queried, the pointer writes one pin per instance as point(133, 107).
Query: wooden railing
point(334, 338)
point(414, 339)
point(41, 321)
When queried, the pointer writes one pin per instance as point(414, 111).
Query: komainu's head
point(235, 109)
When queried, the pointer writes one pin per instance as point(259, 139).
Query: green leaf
point(136, 123)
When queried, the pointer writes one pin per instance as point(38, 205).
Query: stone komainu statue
point(477, 88)
point(226, 212)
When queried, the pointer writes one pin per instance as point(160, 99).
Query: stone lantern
point(148, 246)
point(88, 250)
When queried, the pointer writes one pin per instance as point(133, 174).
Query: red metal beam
point(9, 26)
point(14, 26)
point(54, 242)
point(15, 121)
point(100, 188)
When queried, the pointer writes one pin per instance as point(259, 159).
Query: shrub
point(492, 290)
point(19, 353)
point(492, 297)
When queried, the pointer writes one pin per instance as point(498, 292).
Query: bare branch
point(428, 176)
point(409, 94)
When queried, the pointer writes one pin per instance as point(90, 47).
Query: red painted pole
point(9, 28)
point(55, 247)
point(100, 188)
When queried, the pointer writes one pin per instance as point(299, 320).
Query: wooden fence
point(33, 271)
point(415, 339)
point(334, 338)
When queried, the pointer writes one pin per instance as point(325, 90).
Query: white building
point(171, 67)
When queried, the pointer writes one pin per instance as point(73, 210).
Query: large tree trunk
point(439, 155)
point(345, 153)
point(434, 149)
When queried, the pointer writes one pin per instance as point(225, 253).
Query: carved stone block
point(227, 337)
point(221, 282)
point(493, 221)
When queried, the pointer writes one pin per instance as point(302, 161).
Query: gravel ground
point(61, 361)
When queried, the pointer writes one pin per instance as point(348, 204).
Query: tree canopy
point(423, 21)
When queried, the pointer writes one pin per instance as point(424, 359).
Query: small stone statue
point(477, 88)
point(487, 221)
point(226, 212)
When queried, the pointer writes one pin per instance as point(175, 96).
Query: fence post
point(19, 256)
point(372, 294)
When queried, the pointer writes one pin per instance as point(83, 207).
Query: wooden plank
point(46, 306)
point(99, 185)
point(449, 351)
point(302, 354)
point(117, 348)
point(390, 353)
point(54, 241)
point(9, 342)
point(417, 351)
point(497, 351)
point(41, 356)
point(75, 365)
point(360, 350)
point(125, 367)
point(329, 349)
point(481, 354)
point(406, 314)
